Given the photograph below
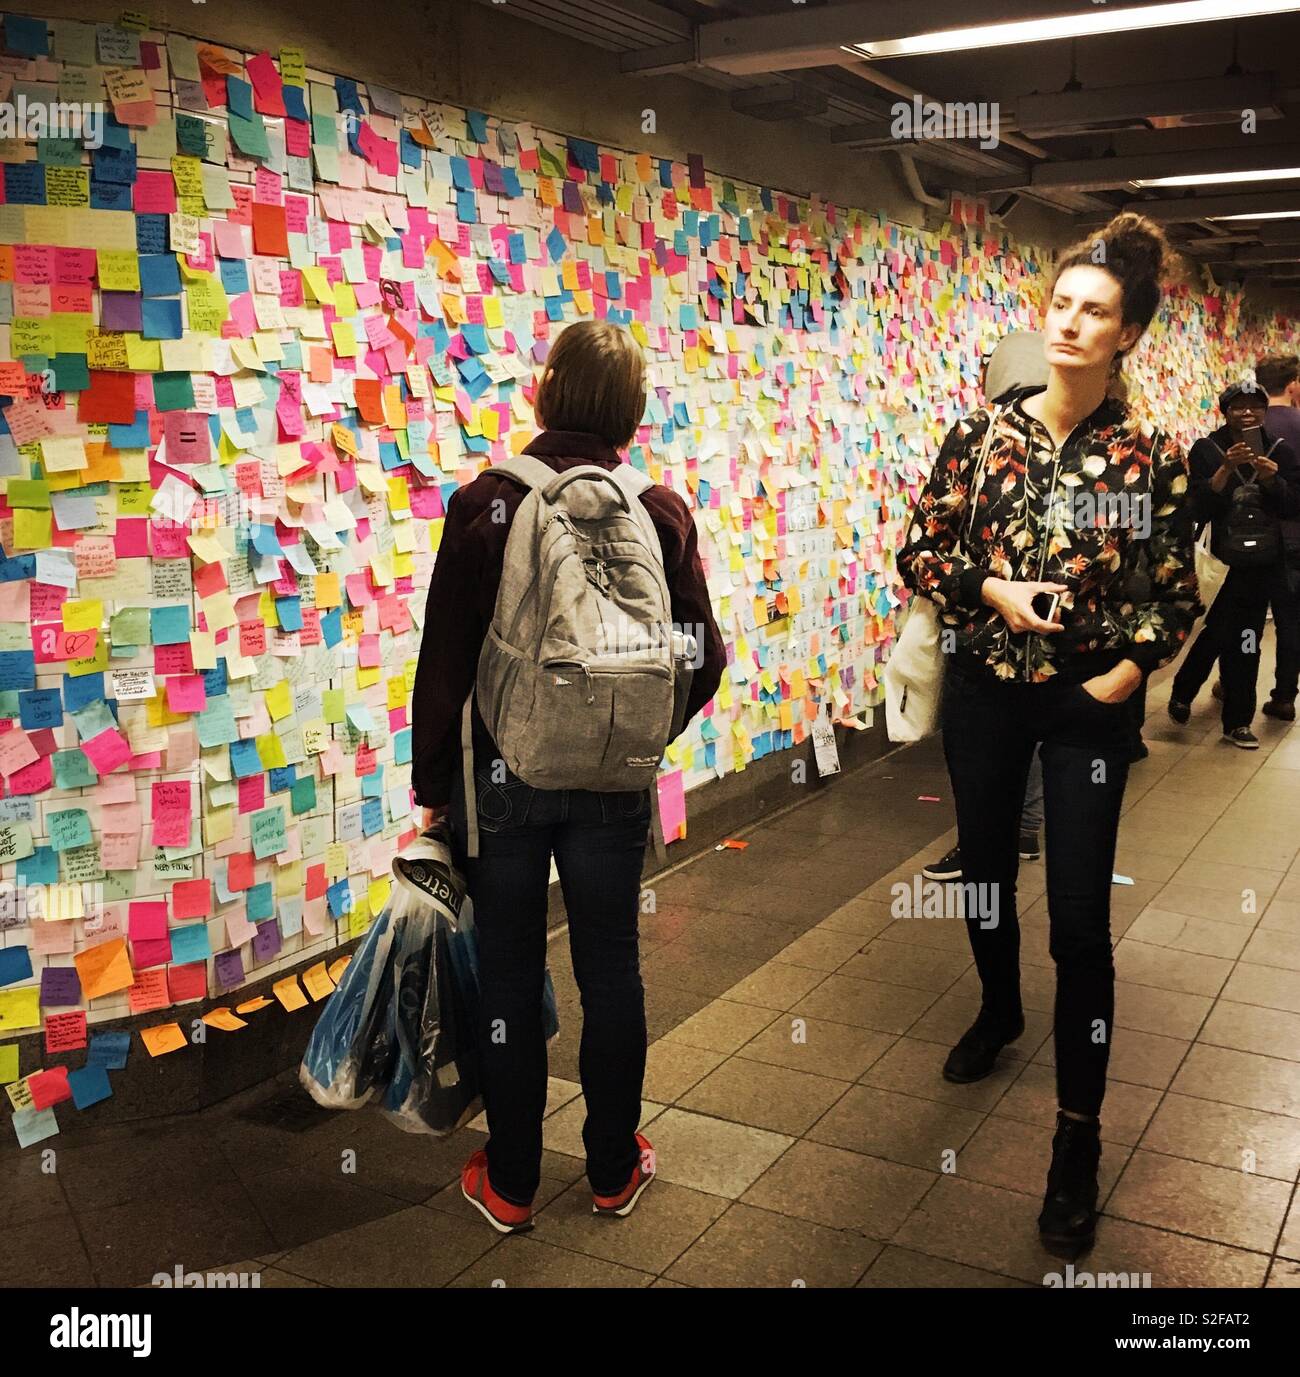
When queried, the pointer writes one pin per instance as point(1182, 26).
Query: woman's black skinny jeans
point(990, 729)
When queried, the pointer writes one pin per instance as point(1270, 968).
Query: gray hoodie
point(1019, 360)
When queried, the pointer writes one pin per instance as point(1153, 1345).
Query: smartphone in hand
point(1253, 437)
point(1045, 605)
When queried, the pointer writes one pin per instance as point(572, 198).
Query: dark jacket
point(463, 594)
point(1281, 497)
point(1126, 594)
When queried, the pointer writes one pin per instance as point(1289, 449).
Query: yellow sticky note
point(32, 528)
point(119, 270)
point(345, 342)
point(279, 700)
point(270, 751)
point(83, 615)
point(163, 1038)
point(20, 1008)
point(8, 1063)
point(377, 895)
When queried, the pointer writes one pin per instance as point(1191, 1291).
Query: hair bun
point(1138, 240)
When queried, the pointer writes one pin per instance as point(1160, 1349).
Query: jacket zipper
point(1042, 558)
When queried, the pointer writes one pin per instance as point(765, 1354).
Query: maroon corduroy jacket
point(463, 595)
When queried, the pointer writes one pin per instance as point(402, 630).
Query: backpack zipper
point(617, 559)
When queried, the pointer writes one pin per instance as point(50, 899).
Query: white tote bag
point(913, 674)
point(1210, 571)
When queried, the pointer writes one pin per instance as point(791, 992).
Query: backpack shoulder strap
point(977, 477)
point(525, 469)
point(632, 481)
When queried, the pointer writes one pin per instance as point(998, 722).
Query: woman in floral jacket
point(1064, 573)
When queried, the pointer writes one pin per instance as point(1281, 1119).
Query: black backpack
point(1252, 537)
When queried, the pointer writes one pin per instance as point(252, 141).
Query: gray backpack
point(582, 679)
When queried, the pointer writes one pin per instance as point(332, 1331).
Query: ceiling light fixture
point(1269, 174)
point(1085, 25)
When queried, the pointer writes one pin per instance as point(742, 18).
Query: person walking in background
point(1244, 482)
point(1279, 376)
point(1020, 677)
point(590, 400)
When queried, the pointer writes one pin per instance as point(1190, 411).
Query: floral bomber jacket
point(1059, 516)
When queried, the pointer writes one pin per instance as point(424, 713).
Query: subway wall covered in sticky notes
point(259, 323)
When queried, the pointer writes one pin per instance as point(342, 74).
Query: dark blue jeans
point(990, 729)
point(599, 844)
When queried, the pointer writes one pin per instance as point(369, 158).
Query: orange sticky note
point(104, 968)
point(338, 967)
point(317, 981)
point(224, 1019)
point(289, 993)
point(251, 1006)
point(163, 1038)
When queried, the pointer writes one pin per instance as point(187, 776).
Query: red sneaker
point(642, 1174)
point(504, 1217)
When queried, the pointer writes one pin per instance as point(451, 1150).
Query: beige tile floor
point(793, 1093)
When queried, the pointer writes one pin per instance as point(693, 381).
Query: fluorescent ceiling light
point(1272, 174)
point(1083, 25)
point(1265, 215)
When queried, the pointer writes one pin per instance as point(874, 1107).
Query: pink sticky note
point(16, 750)
point(146, 920)
point(108, 751)
point(187, 693)
point(672, 806)
point(171, 812)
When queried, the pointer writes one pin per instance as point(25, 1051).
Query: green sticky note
point(302, 796)
point(8, 1063)
point(72, 770)
point(58, 152)
point(267, 829)
point(332, 708)
point(173, 391)
point(191, 138)
point(28, 492)
point(130, 626)
point(70, 828)
point(119, 884)
point(249, 135)
point(71, 373)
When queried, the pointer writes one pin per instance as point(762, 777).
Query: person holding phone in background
point(1244, 483)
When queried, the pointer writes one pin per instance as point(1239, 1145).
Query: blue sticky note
point(26, 37)
point(289, 612)
point(234, 275)
point(108, 1050)
point(17, 669)
point(477, 124)
point(169, 625)
point(40, 868)
point(244, 760)
point(261, 902)
point(89, 1085)
point(190, 943)
point(133, 436)
point(239, 97)
point(160, 274)
point(79, 690)
point(34, 1125)
point(161, 318)
point(15, 965)
point(40, 708)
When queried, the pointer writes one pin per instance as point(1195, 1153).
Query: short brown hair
point(594, 381)
point(1277, 372)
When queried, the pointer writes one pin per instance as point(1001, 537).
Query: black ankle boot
point(1068, 1222)
point(976, 1053)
